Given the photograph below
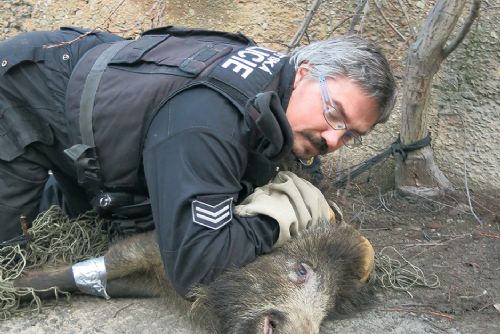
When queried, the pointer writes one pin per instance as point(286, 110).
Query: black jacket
point(210, 105)
point(204, 150)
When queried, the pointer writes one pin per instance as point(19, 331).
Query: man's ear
point(301, 73)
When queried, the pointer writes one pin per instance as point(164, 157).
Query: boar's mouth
point(266, 322)
point(269, 325)
point(272, 321)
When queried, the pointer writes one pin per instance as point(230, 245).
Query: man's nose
point(333, 139)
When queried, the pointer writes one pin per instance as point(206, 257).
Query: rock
point(420, 4)
point(469, 95)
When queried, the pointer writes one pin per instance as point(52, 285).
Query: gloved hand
point(293, 202)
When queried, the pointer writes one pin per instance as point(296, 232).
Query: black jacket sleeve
point(194, 151)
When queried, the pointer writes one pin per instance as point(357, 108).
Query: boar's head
point(322, 272)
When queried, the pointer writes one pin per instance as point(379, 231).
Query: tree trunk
point(419, 174)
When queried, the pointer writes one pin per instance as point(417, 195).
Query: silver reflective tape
point(90, 277)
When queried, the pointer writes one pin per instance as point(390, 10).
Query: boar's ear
point(357, 289)
point(367, 262)
point(336, 215)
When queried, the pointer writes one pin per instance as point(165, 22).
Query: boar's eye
point(301, 273)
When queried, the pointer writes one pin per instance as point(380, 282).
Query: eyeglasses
point(335, 119)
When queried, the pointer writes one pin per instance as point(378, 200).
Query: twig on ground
point(441, 244)
point(382, 200)
point(466, 152)
point(435, 326)
point(477, 203)
point(485, 306)
point(426, 244)
point(489, 235)
point(468, 196)
point(413, 310)
point(122, 308)
point(430, 199)
point(474, 297)
point(374, 229)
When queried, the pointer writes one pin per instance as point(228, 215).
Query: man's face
point(313, 135)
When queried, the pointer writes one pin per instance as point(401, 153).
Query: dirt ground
point(439, 235)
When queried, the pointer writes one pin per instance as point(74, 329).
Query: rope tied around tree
point(400, 148)
point(397, 147)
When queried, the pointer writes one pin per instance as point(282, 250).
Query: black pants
point(34, 72)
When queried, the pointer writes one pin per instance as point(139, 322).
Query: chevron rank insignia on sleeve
point(213, 216)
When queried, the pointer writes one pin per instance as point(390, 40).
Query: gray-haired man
point(188, 121)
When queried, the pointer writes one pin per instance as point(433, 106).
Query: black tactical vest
point(126, 83)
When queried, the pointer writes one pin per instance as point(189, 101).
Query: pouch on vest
point(165, 54)
point(202, 34)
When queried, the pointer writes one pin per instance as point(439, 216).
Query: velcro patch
point(212, 216)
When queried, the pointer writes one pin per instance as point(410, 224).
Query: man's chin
point(303, 155)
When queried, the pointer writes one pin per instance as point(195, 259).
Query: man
point(191, 121)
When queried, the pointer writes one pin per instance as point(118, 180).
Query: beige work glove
point(292, 201)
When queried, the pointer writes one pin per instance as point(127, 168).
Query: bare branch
point(302, 30)
point(411, 27)
point(160, 12)
point(50, 46)
point(466, 154)
point(379, 9)
point(474, 13)
point(107, 20)
point(357, 16)
point(338, 25)
point(468, 197)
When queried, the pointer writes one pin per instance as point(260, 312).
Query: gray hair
point(356, 59)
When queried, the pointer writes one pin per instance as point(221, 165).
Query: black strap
point(90, 90)
point(396, 147)
point(84, 155)
point(238, 97)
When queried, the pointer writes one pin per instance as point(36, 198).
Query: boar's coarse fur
point(291, 290)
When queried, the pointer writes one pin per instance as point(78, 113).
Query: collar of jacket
point(285, 87)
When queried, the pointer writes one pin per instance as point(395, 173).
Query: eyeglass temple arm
point(325, 96)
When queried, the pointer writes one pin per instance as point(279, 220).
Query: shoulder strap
point(90, 90)
point(84, 154)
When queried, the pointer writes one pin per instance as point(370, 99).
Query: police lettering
point(245, 61)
